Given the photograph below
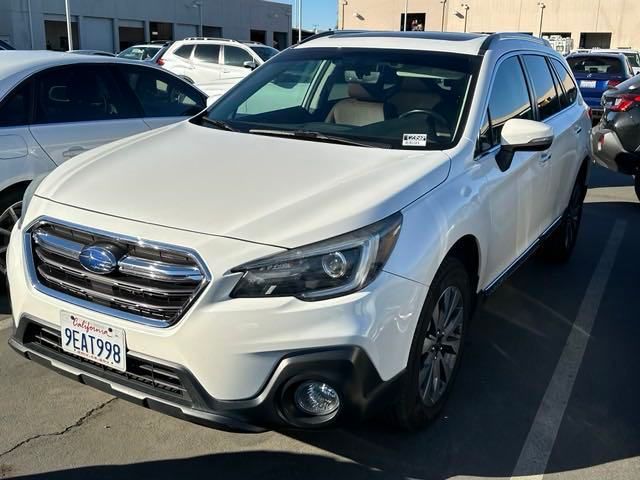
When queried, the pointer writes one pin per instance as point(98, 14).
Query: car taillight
point(590, 113)
point(613, 83)
point(624, 103)
point(160, 62)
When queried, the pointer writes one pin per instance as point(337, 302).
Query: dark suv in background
point(616, 139)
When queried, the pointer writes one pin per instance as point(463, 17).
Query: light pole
point(444, 5)
point(69, 32)
point(299, 21)
point(344, 4)
point(466, 14)
point(406, 13)
point(542, 6)
point(198, 4)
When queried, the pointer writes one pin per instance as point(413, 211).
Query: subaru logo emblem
point(101, 258)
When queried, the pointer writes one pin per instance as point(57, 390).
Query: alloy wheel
point(8, 219)
point(441, 347)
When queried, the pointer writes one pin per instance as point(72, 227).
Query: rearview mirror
point(250, 64)
point(520, 135)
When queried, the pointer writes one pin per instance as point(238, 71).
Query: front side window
point(570, 89)
point(236, 56)
point(161, 95)
point(208, 53)
point(80, 93)
point(509, 99)
point(544, 88)
point(265, 53)
point(14, 109)
point(396, 99)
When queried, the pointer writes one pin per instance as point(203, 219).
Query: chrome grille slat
point(103, 296)
point(52, 262)
point(153, 285)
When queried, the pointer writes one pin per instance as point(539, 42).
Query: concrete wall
point(236, 17)
point(620, 17)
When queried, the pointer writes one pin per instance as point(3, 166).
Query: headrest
point(360, 92)
point(414, 84)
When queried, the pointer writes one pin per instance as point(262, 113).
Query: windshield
point(594, 64)
point(265, 53)
point(399, 98)
point(139, 53)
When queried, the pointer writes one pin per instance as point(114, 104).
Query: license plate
point(587, 83)
point(94, 341)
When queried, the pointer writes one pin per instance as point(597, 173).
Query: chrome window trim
point(139, 319)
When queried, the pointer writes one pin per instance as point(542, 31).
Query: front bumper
point(348, 369)
point(234, 354)
point(608, 151)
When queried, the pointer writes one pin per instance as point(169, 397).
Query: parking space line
point(542, 435)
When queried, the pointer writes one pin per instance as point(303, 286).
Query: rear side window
point(544, 88)
point(236, 57)
point(595, 64)
point(207, 53)
point(162, 95)
point(80, 93)
point(14, 110)
point(509, 99)
point(184, 51)
point(570, 89)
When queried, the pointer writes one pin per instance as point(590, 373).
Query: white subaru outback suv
point(310, 249)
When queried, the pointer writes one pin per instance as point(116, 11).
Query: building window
point(160, 31)
point(595, 40)
point(280, 40)
point(415, 22)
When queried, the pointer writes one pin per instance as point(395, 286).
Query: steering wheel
point(430, 113)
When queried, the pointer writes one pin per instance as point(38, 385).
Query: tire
point(637, 185)
point(560, 244)
point(10, 210)
point(420, 399)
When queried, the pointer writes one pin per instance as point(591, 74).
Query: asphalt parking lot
point(548, 388)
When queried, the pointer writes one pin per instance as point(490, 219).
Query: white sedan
point(54, 106)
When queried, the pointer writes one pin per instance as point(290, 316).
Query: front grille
point(160, 380)
point(152, 284)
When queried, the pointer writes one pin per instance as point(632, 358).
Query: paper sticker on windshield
point(414, 140)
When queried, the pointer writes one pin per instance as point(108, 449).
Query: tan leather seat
point(357, 110)
point(414, 95)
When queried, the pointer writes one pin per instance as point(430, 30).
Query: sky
point(316, 13)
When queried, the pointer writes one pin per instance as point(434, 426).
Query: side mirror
point(520, 135)
point(250, 64)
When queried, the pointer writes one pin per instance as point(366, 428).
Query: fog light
point(317, 398)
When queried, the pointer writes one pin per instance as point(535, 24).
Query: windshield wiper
point(219, 124)
point(318, 136)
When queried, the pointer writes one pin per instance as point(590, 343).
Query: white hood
point(269, 190)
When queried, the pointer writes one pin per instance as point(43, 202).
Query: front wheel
point(559, 246)
point(437, 347)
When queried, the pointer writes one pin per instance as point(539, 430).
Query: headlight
point(330, 268)
point(28, 195)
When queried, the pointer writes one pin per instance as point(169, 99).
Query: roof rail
point(212, 38)
point(328, 33)
point(511, 36)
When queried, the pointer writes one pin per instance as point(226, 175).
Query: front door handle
point(578, 130)
point(545, 157)
point(72, 152)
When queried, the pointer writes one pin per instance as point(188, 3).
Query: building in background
point(590, 23)
point(113, 25)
